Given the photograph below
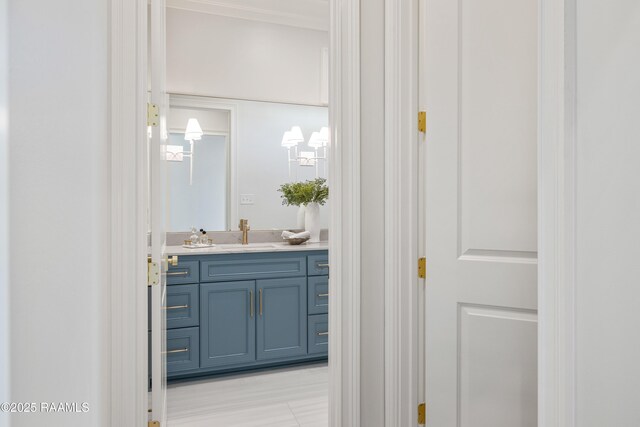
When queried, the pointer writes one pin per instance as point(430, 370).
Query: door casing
point(127, 318)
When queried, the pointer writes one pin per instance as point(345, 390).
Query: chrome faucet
point(244, 227)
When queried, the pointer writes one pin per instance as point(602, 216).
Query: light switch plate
point(247, 199)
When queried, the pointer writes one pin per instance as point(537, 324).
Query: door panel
point(227, 323)
point(501, 342)
point(282, 318)
point(497, 92)
point(479, 87)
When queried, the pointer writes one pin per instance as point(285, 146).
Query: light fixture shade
point(324, 135)
point(287, 140)
point(296, 134)
point(193, 131)
point(315, 141)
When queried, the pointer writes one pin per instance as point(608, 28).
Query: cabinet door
point(282, 318)
point(227, 323)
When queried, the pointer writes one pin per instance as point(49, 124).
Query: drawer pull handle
point(322, 334)
point(176, 307)
point(322, 265)
point(323, 295)
point(251, 304)
point(180, 350)
point(178, 273)
point(260, 292)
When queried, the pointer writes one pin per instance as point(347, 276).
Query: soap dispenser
point(204, 239)
point(194, 236)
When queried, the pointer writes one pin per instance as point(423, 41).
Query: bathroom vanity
point(233, 308)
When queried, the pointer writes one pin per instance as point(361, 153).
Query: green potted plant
point(309, 195)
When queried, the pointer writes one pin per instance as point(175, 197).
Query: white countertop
point(250, 248)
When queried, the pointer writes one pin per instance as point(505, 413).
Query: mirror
point(237, 166)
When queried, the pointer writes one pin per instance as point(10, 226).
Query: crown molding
point(309, 14)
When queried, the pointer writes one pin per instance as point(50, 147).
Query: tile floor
point(285, 397)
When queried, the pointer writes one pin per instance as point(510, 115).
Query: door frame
point(402, 148)
point(557, 190)
point(127, 317)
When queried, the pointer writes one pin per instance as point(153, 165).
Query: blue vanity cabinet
point(282, 318)
point(187, 271)
point(318, 294)
point(182, 306)
point(318, 264)
point(227, 323)
point(318, 333)
point(182, 350)
point(268, 265)
point(234, 312)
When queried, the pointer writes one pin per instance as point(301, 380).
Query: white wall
point(608, 211)
point(59, 208)
point(235, 58)
point(4, 211)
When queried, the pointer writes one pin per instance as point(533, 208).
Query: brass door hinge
point(153, 272)
point(422, 267)
point(153, 424)
point(421, 413)
point(152, 114)
point(422, 121)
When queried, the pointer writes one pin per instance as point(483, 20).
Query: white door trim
point(129, 201)
point(128, 307)
point(344, 222)
point(557, 214)
point(401, 213)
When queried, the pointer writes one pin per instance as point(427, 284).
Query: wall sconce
point(176, 153)
point(318, 140)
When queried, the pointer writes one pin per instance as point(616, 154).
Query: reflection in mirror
point(203, 201)
point(198, 170)
point(241, 162)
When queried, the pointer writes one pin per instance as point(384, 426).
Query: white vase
point(312, 221)
point(300, 217)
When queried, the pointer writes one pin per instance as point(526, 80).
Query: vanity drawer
point(318, 264)
point(185, 272)
point(182, 306)
point(318, 295)
point(183, 349)
point(231, 267)
point(318, 333)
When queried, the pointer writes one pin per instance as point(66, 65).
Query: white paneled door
point(478, 81)
point(158, 208)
